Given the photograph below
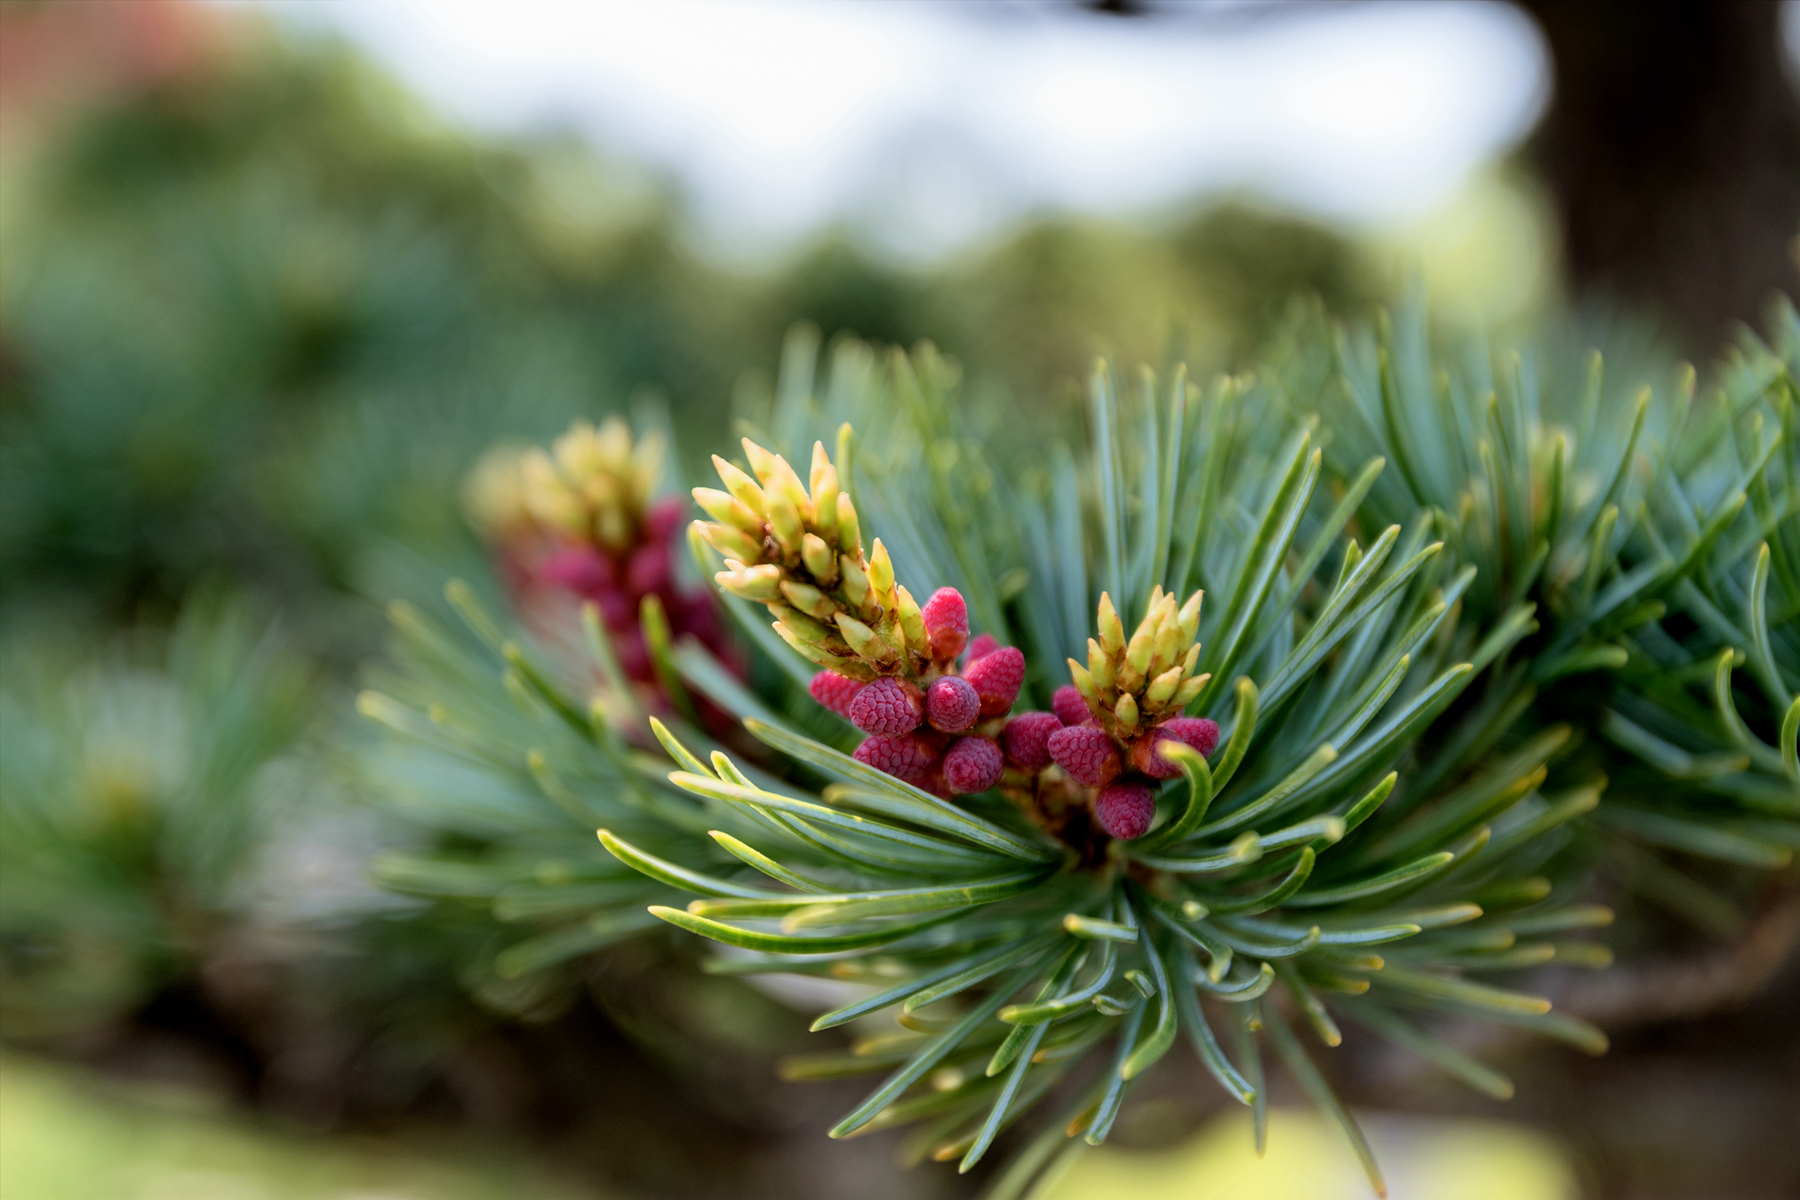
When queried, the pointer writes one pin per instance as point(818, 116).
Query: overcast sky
point(925, 125)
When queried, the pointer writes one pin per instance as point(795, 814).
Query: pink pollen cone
point(663, 517)
point(904, 757)
point(1147, 758)
point(946, 619)
point(887, 708)
point(1202, 733)
point(983, 645)
point(1194, 731)
point(1068, 705)
point(951, 705)
point(1027, 739)
point(581, 569)
point(1125, 810)
point(996, 678)
point(617, 610)
point(834, 691)
point(1199, 732)
point(972, 765)
point(1087, 753)
point(649, 569)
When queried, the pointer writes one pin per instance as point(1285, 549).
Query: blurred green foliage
point(138, 791)
point(259, 317)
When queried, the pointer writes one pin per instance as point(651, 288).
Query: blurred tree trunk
point(1671, 149)
point(1672, 152)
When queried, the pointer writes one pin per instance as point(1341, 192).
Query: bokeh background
point(273, 275)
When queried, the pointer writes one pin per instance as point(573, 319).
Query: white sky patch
point(925, 126)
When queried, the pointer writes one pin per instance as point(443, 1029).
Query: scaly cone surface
point(1125, 702)
point(890, 663)
point(580, 520)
